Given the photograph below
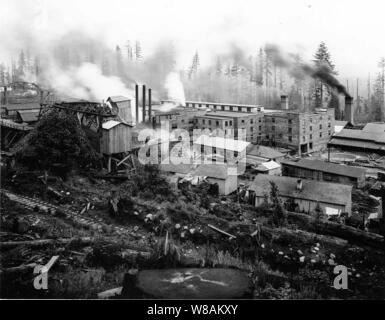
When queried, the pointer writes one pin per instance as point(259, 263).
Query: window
point(226, 123)
point(204, 121)
point(329, 125)
point(239, 108)
point(259, 120)
point(290, 130)
point(235, 153)
point(273, 128)
point(209, 121)
point(231, 108)
point(311, 137)
point(202, 148)
point(303, 138)
point(260, 128)
point(273, 120)
point(243, 121)
point(311, 128)
point(251, 121)
point(320, 134)
point(223, 108)
point(311, 119)
point(251, 129)
point(330, 133)
point(231, 123)
point(248, 109)
point(182, 120)
point(214, 150)
point(280, 135)
point(217, 123)
point(290, 139)
point(320, 126)
point(290, 121)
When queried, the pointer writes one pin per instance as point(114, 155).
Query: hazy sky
point(353, 30)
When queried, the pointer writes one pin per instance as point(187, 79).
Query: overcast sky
point(353, 30)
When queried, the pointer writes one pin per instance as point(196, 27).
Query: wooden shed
point(121, 107)
point(116, 137)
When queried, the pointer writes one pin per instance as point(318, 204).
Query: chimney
point(284, 102)
point(137, 103)
point(144, 103)
point(299, 185)
point(5, 95)
point(349, 109)
point(149, 105)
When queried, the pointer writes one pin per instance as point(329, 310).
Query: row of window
point(223, 108)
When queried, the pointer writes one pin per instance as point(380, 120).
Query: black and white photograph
point(186, 151)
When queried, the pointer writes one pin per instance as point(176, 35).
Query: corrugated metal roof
point(222, 143)
point(313, 190)
point(319, 165)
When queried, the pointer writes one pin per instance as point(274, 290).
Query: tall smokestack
point(349, 109)
point(5, 95)
point(137, 103)
point(284, 102)
point(149, 105)
point(144, 103)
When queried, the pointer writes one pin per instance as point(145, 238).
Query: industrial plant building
point(332, 198)
point(324, 171)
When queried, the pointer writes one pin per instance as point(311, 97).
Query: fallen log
point(339, 230)
point(84, 241)
point(46, 242)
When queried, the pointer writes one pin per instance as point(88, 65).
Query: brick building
point(302, 132)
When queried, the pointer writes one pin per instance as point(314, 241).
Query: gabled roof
point(222, 143)
point(313, 190)
point(319, 165)
point(353, 134)
point(270, 165)
point(111, 123)
point(375, 127)
point(264, 152)
point(118, 99)
point(29, 115)
point(218, 171)
point(22, 106)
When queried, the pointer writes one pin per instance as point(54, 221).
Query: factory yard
point(172, 230)
point(84, 196)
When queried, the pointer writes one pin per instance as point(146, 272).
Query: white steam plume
point(174, 87)
point(85, 82)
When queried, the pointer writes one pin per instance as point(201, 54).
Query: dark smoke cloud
point(322, 72)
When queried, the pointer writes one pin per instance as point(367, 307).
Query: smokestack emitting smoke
point(322, 72)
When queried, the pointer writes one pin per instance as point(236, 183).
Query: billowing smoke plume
point(85, 82)
point(175, 90)
point(322, 71)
